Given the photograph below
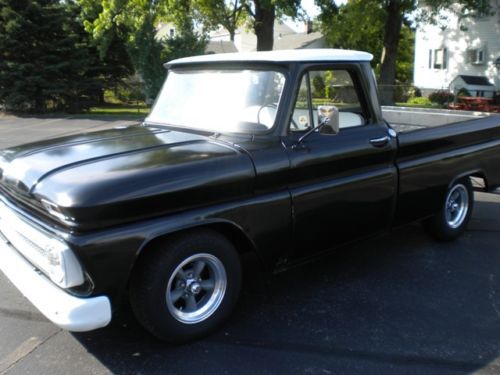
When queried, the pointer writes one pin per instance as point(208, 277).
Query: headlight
point(62, 266)
point(49, 254)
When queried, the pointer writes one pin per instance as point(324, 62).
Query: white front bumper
point(66, 311)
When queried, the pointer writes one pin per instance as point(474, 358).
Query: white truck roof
point(299, 55)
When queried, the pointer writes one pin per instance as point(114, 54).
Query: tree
point(367, 17)
point(263, 13)
point(114, 61)
point(215, 13)
point(46, 62)
point(355, 25)
point(260, 14)
point(133, 22)
point(396, 13)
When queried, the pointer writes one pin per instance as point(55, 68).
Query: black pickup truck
point(281, 155)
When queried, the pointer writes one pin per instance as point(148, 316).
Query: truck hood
point(115, 176)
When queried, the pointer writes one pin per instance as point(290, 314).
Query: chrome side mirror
point(328, 119)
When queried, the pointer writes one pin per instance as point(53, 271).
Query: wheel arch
point(477, 174)
point(150, 289)
point(243, 244)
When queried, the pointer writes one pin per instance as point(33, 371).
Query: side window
point(327, 87)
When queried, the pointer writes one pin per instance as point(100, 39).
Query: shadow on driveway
point(400, 303)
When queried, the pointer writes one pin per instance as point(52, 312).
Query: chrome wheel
point(196, 288)
point(456, 206)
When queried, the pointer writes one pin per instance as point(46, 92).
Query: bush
point(402, 93)
point(441, 97)
point(318, 85)
point(130, 93)
point(463, 92)
point(496, 99)
point(420, 100)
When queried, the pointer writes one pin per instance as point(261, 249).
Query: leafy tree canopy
point(216, 13)
point(263, 13)
point(133, 23)
point(367, 18)
point(395, 13)
point(257, 14)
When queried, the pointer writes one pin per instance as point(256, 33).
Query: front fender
point(108, 256)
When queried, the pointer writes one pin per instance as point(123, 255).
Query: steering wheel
point(274, 105)
point(265, 105)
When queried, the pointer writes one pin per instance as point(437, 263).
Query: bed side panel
point(430, 159)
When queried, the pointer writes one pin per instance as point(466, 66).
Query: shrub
point(496, 99)
point(441, 97)
point(420, 100)
point(463, 92)
point(130, 92)
point(318, 85)
point(402, 93)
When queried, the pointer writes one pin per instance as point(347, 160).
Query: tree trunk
point(100, 96)
point(233, 22)
point(264, 25)
point(392, 35)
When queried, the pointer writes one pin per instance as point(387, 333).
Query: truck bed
point(405, 119)
point(437, 146)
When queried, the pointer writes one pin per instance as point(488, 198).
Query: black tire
point(159, 278)
point(452, 219)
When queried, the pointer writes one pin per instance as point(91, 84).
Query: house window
point(438, 58)
point(476, 56)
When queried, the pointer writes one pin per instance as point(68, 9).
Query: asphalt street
point(398, 304)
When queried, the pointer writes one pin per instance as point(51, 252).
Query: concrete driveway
point(401, 303)
point(17, 130)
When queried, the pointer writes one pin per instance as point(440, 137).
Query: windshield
point(242, 101)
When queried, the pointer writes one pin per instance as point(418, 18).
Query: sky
point(311, 10)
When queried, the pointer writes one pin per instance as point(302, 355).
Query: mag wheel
point(186, 287)
point(196, 288)
point(455, 213)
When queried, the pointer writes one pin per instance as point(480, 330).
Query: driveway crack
point(22, 351)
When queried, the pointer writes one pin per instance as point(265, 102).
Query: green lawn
point(120, 110)
point(419, 105)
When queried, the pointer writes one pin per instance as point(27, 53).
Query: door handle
point(380, 142)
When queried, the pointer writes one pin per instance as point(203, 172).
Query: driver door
point(343, 186)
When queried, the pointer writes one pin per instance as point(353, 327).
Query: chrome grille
point(44, 250)
point(30, 241)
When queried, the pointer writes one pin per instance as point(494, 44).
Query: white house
point(246, 41)
point(284, 38)
point(456, 53)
